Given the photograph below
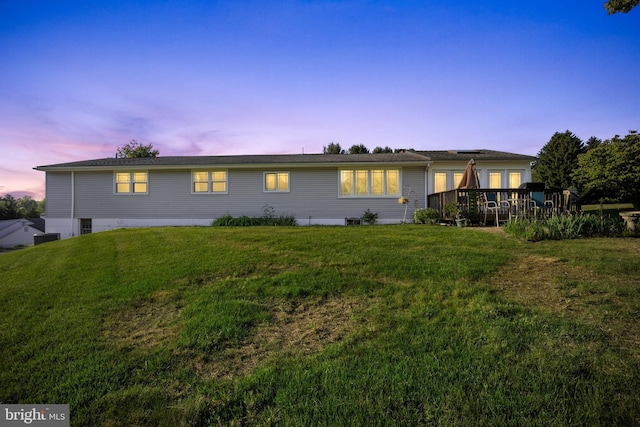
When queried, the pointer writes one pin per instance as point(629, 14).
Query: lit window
point(439, 182)
point(346, 183)
point(140, 182)
point(276, 182)
point(362, 183)
point(131, 182)
point(457, 177)
point(515, 179)
point(209, 182)
point(377, 183)
point(370, 183)
point(495, 179)
point(393, 182)
point(123, 182)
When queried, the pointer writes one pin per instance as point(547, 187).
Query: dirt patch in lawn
point(296, 328)
point(494, 229)
point(573, 291)
point(144, 324)
point(534, 280)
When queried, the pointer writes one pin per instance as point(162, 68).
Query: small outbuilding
point(20, 232)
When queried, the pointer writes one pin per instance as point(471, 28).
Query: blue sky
point(80, 78)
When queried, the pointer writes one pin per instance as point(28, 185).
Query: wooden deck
point(484, 205)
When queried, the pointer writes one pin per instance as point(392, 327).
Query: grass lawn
point(609, 207)
point(376, 325)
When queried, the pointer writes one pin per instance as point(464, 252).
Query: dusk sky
point(78, 79)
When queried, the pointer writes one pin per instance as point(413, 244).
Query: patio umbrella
point(470, 177)
point(470, 180)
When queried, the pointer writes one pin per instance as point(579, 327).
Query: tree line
point(24, 207)
point(335, 148)
point(599, 171)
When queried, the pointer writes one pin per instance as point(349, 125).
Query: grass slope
point(385, 325)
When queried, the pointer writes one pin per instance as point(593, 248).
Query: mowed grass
point(376, 325)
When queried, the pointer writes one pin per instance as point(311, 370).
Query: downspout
point(426, 185)
point(73, 200)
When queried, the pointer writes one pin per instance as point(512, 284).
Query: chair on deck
point(541, 204)
point(491, 206)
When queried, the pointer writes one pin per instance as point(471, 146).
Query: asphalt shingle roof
point(480, 154)
point(246, 160)
point(288, 159)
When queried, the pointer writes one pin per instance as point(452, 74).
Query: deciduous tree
point(134, 149)
point(27, 207)
point(8, 207)
point(611, 170)
point(623, 6)
point(42, 204)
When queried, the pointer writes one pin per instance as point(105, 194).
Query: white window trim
point(277, 190)
point(131, 183)
point(209, 182)
point(369, 195)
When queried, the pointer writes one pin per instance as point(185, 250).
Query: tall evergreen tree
point(333, 148)
point(358, 149)
point(378, 150)
point(557, 161)
point(593, 142)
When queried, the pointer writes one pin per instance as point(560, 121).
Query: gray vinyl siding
point(313, 193)
point(58, 195)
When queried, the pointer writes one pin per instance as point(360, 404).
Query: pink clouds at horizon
point(213, 78)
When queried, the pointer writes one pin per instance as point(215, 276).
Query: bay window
point(369, 182)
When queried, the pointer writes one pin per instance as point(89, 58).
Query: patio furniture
point(542, 205)
point(491, 206)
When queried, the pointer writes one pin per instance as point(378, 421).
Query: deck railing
point(473, 204)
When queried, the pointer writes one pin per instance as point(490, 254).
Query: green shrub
point(225, 220)
point(268, 218)
point(426, 216)
point(451, 210)
point(283, 220)
point(369, 217)
point(526, 229)
point(568, 226)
